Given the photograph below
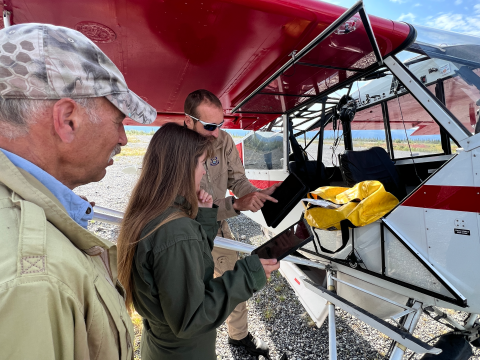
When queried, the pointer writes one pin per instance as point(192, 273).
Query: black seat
point(305, 169)
point(308, 174)
point(371, 164)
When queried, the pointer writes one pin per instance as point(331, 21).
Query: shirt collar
point(78, 209)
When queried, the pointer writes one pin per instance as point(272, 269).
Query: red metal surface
point(457, 198)
point(240, 150)
point(263, 184)
point(166, 49)
point(350, 50)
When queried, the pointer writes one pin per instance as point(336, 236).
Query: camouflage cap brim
point(41, 61)
point(133, 106)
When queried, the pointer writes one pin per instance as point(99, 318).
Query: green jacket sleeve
point(191, 303)
point(207, 217)
point(225, 208)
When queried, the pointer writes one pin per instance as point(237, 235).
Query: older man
point(62, 103)
point(204, 114)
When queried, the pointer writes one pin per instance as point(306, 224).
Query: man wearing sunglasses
point(224, 171)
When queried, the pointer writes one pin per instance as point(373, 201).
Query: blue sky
point(461, 16)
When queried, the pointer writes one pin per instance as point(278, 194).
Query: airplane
point(287, 68)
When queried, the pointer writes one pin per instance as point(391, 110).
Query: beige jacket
point(225, 171)
point(59, 294)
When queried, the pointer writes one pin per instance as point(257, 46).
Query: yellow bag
point(362, 204)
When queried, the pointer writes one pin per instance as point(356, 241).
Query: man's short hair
point(202, 96)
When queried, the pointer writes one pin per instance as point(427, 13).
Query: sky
point(461, 16)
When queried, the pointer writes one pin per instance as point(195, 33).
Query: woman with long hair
point(164, 252)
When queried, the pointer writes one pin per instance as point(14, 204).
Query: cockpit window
point(263, 150)
point(453, 60)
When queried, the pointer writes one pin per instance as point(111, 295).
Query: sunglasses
point(207, 126)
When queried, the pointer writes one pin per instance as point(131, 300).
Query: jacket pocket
point(116, 333)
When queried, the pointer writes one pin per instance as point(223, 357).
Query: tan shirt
point(225, 171)
point(59, 293)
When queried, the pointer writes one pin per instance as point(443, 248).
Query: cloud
point(398, 1)
point(417, 4)
point(458, 2)
point(407, 17)
point(457, 22)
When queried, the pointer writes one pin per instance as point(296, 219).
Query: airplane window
point(332, 146)
point(263, 150)
point(463, 99)
point(368, 128)
point(410, 121)
point(453, 58)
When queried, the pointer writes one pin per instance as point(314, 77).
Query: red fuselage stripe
point(456, 198)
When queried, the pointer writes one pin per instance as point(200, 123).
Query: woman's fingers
point(202, 195)
point(204, 198)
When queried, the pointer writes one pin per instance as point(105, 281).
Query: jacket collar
point(30, 189)
point(219, 143)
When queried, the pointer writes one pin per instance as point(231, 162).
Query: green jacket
point(59, 294)
point(175, 292)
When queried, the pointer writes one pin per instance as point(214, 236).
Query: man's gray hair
point(17, 115)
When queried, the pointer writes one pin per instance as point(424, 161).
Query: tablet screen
point(286, 242)
point(289, 190)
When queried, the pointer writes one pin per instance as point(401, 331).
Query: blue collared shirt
point(76, 207)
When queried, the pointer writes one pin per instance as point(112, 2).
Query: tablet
point(288, 194)
point(286, 242)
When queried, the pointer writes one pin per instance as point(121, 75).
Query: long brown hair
point(168, 171)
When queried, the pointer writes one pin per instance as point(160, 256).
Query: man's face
point(97, 142)
point(210, 114)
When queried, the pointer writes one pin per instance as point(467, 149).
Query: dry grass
point(133, 139)
point(132, 151)
point(138, 327)
point(269, 314)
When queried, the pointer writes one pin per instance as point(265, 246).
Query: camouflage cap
point(39, 61)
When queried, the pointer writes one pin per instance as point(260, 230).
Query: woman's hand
point(270, 265)
point(205, 200)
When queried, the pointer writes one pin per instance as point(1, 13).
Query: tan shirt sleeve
point(237, 181)
point(225, 208)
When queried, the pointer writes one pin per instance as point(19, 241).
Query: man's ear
point(189, 122)
point(66, 119)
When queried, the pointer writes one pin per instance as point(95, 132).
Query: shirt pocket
point(116, 336)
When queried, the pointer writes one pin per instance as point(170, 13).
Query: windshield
point(453, 60)
point(443, 38)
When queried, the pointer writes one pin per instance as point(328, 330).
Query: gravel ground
point(275, 314)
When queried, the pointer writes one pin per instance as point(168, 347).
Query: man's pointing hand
point(253, 201)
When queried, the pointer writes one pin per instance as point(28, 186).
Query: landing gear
point(332, 332)
point(410, 325)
